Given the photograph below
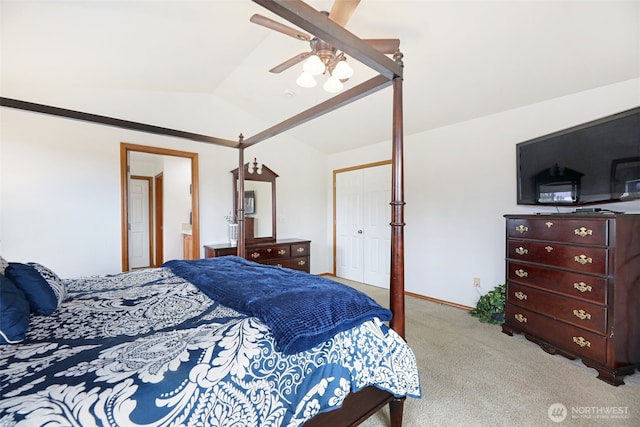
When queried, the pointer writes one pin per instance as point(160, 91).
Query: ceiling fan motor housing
point(324, 51)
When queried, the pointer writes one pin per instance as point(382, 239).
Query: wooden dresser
point(289, 253)
point(573, 287)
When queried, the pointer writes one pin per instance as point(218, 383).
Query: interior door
point(139, 223)
point(349, 225)
point(377, 228)
point(363, 233)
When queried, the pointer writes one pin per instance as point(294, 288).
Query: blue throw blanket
point(300, 309)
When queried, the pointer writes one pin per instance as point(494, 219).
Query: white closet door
point(377, 231)
point(349, 225)
point(363, 233)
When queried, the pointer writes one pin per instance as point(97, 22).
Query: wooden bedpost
point(397, 211)
point(240, 202)
point(396, 285)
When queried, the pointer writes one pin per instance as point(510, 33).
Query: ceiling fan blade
point(274, 25)
point(290, 62)
point(386, 46)
point(342, 10)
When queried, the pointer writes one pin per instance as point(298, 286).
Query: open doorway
point(126, 152)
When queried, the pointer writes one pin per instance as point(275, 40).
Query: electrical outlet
point(476, 282)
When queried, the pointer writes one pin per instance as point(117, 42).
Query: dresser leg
point(507, 330)
point(610, 376)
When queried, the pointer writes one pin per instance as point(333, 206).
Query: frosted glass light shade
point(313, 65)
point(306, 80)
point(333, 85)
point(342, 70)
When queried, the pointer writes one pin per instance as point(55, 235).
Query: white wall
point(460, 180)
point(60, 191)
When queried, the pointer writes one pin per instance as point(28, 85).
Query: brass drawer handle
point(582, 287)
point(581, 342)
point(522, 251)
point(269, 250)
point(279, 265)
point(282, 252)
point(521, 273)
point(521, 295)
point(300, 250)
point(520, 318)
point(581, 314)
point(548, 248)
point(522, 229)
point(549, 224)
point(583, 232)
point(302, 262)
point(583, 259)
point(255, 255)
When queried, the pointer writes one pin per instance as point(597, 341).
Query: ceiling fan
point(323, 58)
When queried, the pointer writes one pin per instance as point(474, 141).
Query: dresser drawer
point(575, 285)
point(580, 231)
point(578, 258)
point(298, 263)
point(300, 249)
point(569, 338)
point(215, 252)
point(268, 252)
point(588, 316)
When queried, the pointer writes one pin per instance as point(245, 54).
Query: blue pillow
point(43, 288)
point(52, 280)
point(14, 312)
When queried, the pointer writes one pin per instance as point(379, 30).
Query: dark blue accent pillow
point(42, 299)
point(14, 312)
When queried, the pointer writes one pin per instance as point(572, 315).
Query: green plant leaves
point(491, 306)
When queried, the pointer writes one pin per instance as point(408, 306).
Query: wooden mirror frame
point(267, 175)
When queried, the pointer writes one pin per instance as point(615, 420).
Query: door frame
point(125, 149)
point(158, 217)
point(335, 219)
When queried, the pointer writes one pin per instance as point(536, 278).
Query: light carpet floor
point(472, 374)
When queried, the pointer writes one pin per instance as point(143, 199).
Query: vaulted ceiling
point(201, 66)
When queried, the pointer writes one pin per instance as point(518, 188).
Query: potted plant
point(490, 306)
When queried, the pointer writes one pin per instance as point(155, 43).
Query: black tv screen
point(596, 162)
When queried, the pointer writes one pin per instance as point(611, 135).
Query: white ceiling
point(201, 66)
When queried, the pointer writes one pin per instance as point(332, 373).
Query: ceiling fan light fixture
point(333, 85)
point(306, 80)
point(342, 70)
point(314, 66)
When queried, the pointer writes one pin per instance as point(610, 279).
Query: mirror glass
point(257, 206)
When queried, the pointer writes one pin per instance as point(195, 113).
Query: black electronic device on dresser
point(573, 287)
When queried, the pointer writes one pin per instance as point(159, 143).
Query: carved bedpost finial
point(241, 138)
point(398, 57)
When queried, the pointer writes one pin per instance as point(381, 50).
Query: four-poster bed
point(359, 405)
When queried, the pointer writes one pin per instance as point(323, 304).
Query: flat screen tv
point(593, 163)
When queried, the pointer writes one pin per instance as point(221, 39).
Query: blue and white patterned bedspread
point(147, 348)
